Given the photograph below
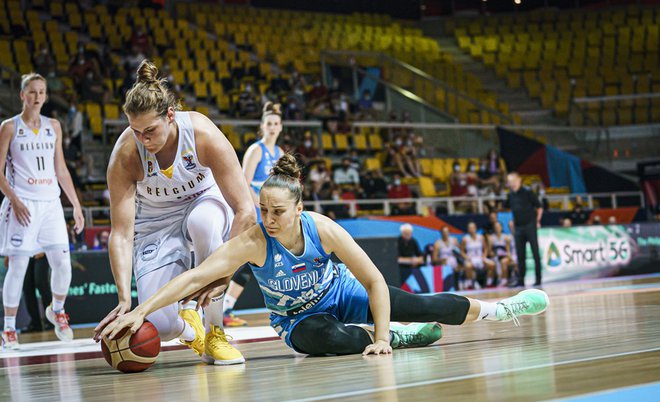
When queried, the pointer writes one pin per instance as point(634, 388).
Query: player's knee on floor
point(323, 334)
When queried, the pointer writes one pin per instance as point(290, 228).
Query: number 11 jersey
point(30, 167)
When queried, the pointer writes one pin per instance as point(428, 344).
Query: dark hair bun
point(147, 72)
point(272, 108)
point(287, 166)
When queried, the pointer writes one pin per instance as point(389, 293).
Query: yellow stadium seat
point(360, 142)
point(375, 142)
point(427, 187)
point(326, 141)
point(341, 142)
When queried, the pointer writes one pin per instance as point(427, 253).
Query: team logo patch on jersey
point(318, 261)
point(21, 132)
point(150, 251)
point(280, 274)
point(150, 169)
point(189, 160)
point(278, 260)
point(16, 240)
point(49, 133)
point(298, 267)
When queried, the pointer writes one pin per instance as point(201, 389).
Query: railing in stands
point(421, 206)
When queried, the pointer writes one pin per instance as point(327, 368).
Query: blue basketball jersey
point(264, 167)
point(287, 281)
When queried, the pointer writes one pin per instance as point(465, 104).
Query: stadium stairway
point(520, 103)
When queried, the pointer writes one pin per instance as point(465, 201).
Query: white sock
point(489, 281)
point(213, 314)
point(58, 305)
point(488, 311)
point(230, 301)
point(188, 333)
point(10, 322)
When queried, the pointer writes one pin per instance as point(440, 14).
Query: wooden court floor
point(596, 336)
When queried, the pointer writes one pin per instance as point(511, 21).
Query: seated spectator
point(140, 41)
point(566, 223)
point(79, 67)
point(247, 104)
point(356, 163)
point(489, 183)
point(306, 151)
point(366, 105)
point(339, 210)
point(458, 181)
point(493, 159)
point(318, 92)
point(318, 176)
point(611, 220)
point(93, 89)
point(373, 184)
point(279, 84)
point(101, 240)
point(55, 83)
point(44, 62)
point(578, 215)
point(398, 190)
point(346, 174)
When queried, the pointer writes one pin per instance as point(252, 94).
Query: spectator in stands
point(44, 62)
point(74, 123)
point(493, 158)
point(489, 183)
point(339, 210)
point(93, 89)
point(611, 220)
point(356, 163)
point(398, 190)
point(366, 106)
point(279, 84)
point(410, 254)
point(56, 86)
point(140, 41)
point(373, 184)
point(458, 181)
point(79, 67)
point(306, 151)
point(101, 240)
point(527, 213)
point(578, 215)
point(318, 93)
point(596, 220)
point(319, 176)
point(247, 103)
point(566, 223)
point(133, 59)
point(346, 175)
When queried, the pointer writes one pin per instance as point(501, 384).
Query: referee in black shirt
point(527, 213)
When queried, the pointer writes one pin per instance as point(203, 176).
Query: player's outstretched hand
point(121, 309)
point(21, 211)
point(132, 320)
point(79, 220)
point(378, 348)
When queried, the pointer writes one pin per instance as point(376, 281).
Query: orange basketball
point(132, 353)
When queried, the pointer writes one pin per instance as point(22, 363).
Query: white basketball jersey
point(446, 249)
point(167, 188)
point(30, 167)
point(474, 247)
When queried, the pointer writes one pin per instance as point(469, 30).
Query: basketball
point(132, 353)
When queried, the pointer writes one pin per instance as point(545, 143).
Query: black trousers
point(36, 277)
point(525, 234)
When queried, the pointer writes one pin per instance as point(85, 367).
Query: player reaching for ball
point(175, 184)
point(312, 299)
point(31, 166)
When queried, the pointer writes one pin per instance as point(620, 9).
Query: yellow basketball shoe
point(218, 351)
point(191, 316)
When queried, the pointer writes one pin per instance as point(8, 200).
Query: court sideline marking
point(469, 376)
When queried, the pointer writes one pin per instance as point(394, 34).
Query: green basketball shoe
point(527, 302)
point(414, 335)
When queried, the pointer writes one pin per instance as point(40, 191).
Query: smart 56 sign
point(580, 251)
